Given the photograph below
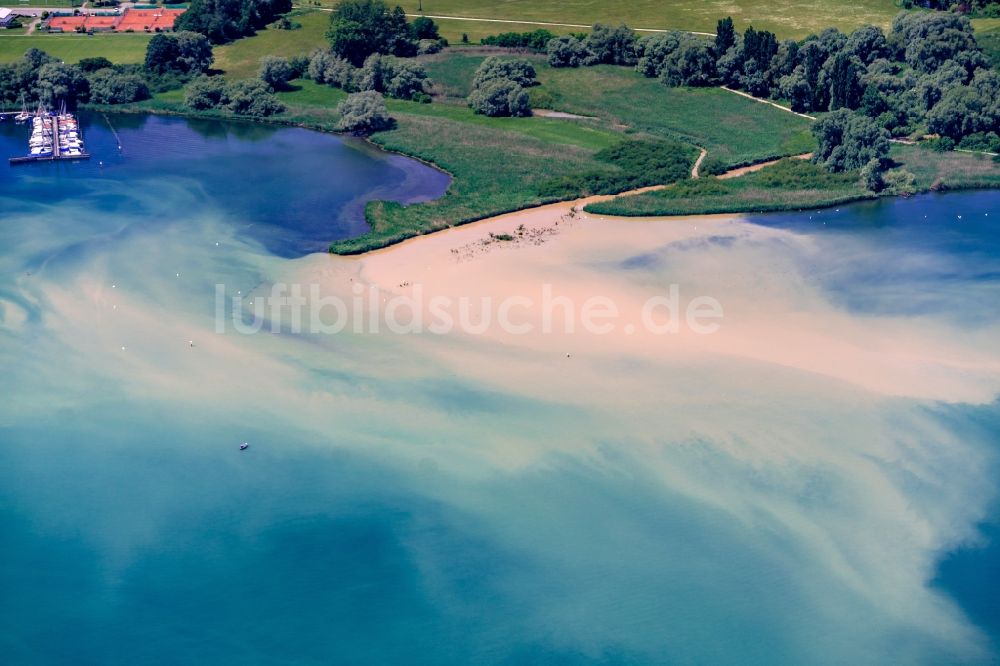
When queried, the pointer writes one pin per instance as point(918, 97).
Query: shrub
point(537, 40)
point(275, 71)
point(204, 93)
point(519, 71)
point(428, 46)
point(363, 113)
point(329, 68)
point(899, 181)
point(393, 77)
point(88, 65)
point(567, 51)
point(500, 97)
point(252, 97)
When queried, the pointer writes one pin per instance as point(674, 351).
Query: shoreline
point(487, 217)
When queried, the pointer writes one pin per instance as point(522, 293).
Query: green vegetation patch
point(733, 129)
point(787, 18)
point(494, 172)
point(241, 59)
point(635, 164)
point(788, 184)
point(121, 49)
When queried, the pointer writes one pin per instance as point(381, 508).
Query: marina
point(53, 137)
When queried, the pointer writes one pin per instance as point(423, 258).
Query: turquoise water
point(399, 506)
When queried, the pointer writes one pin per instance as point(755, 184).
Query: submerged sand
point(772, 314)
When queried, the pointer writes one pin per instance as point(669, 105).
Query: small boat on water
point(24, 115)
point(244, 446)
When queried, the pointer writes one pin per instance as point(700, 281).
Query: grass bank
point(796, 185)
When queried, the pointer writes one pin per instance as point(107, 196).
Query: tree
point(871, 175)
point(424, 28)
point(222, 21)
point(87, 65)
point(275, 71)
point(868, 44)
point(110, 87)
point(849, 141)
point(188, 53)
point(567, 51)
point(519, 71)
point(725, 36)
point(929, 39)
point(653, 51)
point(500, 97)
point(359, 28)
point(611, 45)
point(59, 82)
point(363, 113)
point(845, 81)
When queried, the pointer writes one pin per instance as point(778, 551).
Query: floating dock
point(57, 151)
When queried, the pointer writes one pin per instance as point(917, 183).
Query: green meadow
point(786, 18)
point(124, 48)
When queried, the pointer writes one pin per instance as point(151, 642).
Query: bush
point(568, 51)
point(519, 71)
point(984, 141)
point(252, 97)
point(88, 65)
point(275, 71)
point(393, 77)
point(428, 46)
point(329, 68)
point(537, 40)
point(941, 144)
point(500, 97)
point(205, 93)
point(712, 166)
point(899, 181)
point(363, 113)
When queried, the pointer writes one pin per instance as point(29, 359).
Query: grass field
point(241, 59)
point(125, 48)
point(787, 18)
point(732, 128)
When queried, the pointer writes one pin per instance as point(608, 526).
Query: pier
point(57, 151)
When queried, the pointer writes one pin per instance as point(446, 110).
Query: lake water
point(421, 499)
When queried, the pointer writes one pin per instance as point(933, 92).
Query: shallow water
point(782, 493)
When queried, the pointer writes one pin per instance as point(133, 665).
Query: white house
point(6, 16)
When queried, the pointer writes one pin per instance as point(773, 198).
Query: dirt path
point(736, 173)
point(768, 102)
point(697, 163)
point(476, 19)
